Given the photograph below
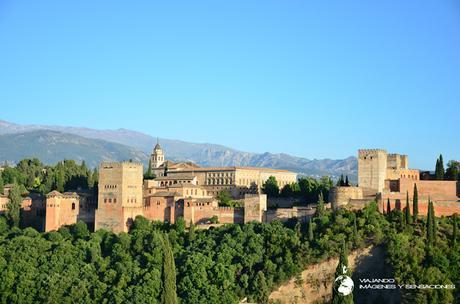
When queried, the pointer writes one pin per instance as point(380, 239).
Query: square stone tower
point(372, 168)
point(255, 206)
point(120, 195)
point(61, 209)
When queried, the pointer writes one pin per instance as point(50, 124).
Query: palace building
point(180, 190)
point(237, 180)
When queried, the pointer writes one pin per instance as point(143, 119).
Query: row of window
point(110, 186)
point(57, 205)
point(168, 183)
point(220, 181)
point(226, 174)
point(110, 200)
point(187, 192)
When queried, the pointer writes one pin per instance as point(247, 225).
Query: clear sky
point(317, 79)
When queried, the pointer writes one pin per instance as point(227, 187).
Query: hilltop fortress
point(386, 177)
point(179, 190)
point(186, 190)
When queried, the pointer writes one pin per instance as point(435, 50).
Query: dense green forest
point(220, 265)
point(425, 251)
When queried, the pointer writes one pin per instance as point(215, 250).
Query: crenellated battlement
point(369, 151)
point(108, 165)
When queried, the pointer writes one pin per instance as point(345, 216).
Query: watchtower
point(372, 166)
point(120, 195)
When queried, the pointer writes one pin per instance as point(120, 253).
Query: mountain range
point(53, 143)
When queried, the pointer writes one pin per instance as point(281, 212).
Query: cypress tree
point(191, 233)
point(339, 271)
point(13, 207)
point(59, 179)
point(89, 179)
point(2, 189)
point(298, 232)
point(439, 171)
point(454, 229)
point(169, 295)
point(436, 170)
point(148, 174)
point(262, 289)
point(165, 172)
point(320, 206)
point(415, 203)
point(434, 223)
point(408, 216)
point(402, 220)
point(441, 167)
point(388, 206)
point(429, 227)
point(95, 176)
point(347, 182)
point(355, 232)
point(310, 231)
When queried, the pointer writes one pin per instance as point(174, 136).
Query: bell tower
point(158, 157)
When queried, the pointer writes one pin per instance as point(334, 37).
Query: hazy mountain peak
point(19, 141)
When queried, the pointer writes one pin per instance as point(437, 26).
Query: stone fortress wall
point(386, 177)
point(342, 195)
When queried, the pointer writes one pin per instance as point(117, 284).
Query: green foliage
point(225, 199)
point(67, 175)
point(191, 232)
point(291, 190)
point(453, 168)
point(214, 219)
point(320, 208)
point(270, 187)
point(415, 260)
point(180, 225)
point(261, 288)
point(415, 203)
point(439, 170)
point(454, 229)
point(149, 173)
point(163, 263)
point(1, 185)
point(408, 217)
point(169, 294)
point(13, 207)
point(220, 265)
point(355, 234)
point(310, 231)
point(341, 181)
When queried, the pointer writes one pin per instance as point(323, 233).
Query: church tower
point(158, 157)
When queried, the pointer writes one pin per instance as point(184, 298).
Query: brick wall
point(437, 190)
point(441, 207)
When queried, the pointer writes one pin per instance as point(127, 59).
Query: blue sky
point(308, 78)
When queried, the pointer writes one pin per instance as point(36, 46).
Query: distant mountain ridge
point(64, 142)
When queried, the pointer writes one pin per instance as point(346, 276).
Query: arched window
point(73, 206)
